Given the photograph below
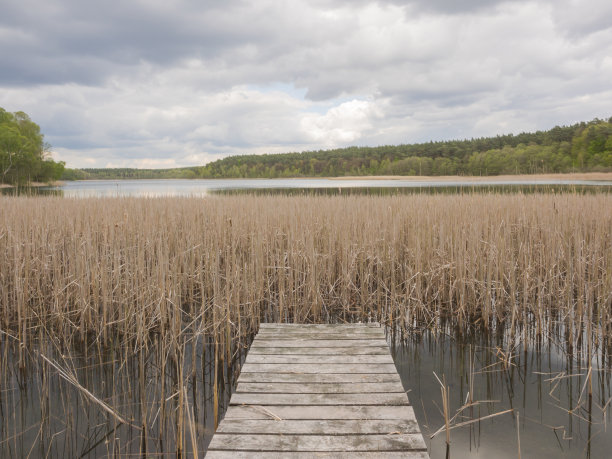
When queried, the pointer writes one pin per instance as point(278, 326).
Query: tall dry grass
point(168, 283)
point(98, 268)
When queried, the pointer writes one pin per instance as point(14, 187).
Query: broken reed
point(102, 268)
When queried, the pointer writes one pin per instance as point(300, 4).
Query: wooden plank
point(300, 378)
point(258, 342)
point(399, 413)
point(316, 455)
point(349, 350)
point(319, 399)
point(318, 388)
point(319, 391)
point(318, 427)
point(362, 331)
point(313, 443)
point(318, 368)
point(359, 331)
point(317, 335)
point(264, 326)
point(318, 359)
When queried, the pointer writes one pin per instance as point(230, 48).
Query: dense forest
point(127, 173)
point(24, 155)
point(582, 147)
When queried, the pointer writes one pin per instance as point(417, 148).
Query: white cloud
point(343, 124)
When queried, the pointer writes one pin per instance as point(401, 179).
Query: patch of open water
point(546, 387)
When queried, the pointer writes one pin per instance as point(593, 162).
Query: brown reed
point(98, 268)
point(180, 277)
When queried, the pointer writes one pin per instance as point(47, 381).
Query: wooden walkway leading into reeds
point(318, 391)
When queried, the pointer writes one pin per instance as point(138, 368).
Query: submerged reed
point(187, 275)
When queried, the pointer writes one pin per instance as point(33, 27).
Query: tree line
point(585, 146)
point(132, 174)
point(582, 147)
point(24, 155)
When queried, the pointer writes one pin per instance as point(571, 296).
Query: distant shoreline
point(595, 176)
point(577, 176)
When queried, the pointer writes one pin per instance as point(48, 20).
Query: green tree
point(23, 152)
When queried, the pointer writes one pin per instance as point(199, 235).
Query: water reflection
point(45, 414)
point(546, 387)
point(92, 402)
point(387, 191)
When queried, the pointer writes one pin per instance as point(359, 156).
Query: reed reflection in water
point(93, 402)
point(44, 414)
point(548, 387)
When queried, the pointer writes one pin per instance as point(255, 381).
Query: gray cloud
point(454, 6)
point(153, 83)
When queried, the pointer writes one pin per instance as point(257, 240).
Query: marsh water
point(542, 384)
point(43, 414)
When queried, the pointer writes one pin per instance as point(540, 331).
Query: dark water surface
point(44, 415)
point(545, 386)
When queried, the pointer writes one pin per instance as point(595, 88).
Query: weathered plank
point(356, 342)
point(321, 378)
point(317, 335)
point(319, 391)
point(318, 427)
point(318, 388)
point(335, 359)
point(361, 330)
point(357, 331)
point(349, 326)
point(345, 443)
point(319, 399)
point(399, 413)
point(346, 350)
point(318, 368)
point(316, 455)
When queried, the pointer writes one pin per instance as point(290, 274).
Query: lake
point(202, 187)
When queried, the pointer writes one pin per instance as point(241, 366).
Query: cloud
point(345, 123)
point(462, 7)
point(578, 18)
point(182, 83)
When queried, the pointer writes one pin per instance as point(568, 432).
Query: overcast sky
point(161, 83)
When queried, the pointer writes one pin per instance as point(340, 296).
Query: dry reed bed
point(102, 268)
point(165, 292)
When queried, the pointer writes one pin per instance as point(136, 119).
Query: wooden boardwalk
point(318, 391)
